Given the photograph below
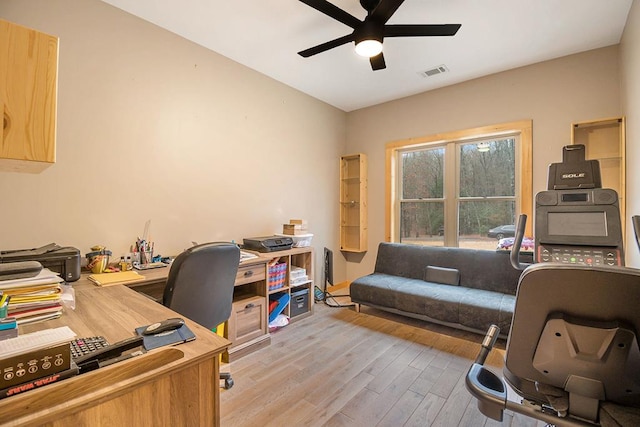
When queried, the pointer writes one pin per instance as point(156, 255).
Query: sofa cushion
point(430, 299)
point(375, 288)
point(446, 276)
point(479, 309)
point(409, 295)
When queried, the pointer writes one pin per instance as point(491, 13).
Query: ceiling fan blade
point(377, 62)
point(326, 46)
point(385, 9)
point(334, 12)
point(421, 30)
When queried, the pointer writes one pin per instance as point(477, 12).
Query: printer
point(63, 260)
point(267, 243)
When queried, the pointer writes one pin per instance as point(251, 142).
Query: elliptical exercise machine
point(572, 352)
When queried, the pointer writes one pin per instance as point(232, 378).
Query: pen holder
point(146, 257)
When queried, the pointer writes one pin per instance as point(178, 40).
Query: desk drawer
point(250, 273)
point(248, 320)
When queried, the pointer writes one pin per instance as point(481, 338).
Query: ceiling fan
point(368, 34)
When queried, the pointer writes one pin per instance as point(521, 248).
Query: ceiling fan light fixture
point(369, 48)
point(483, 146)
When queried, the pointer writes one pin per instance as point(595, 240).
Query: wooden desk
point(247, 327)
point(171, 386)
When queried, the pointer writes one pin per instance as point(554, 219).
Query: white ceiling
point(496, 35)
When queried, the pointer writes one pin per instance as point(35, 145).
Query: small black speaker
point(547, 198)
point(605, 197)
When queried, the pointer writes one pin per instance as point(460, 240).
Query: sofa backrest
point(480, 269)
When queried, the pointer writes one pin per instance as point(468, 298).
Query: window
point(464, 188)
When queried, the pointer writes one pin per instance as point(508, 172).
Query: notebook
point(106, 279)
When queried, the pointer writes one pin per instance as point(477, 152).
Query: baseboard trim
point(337, 286)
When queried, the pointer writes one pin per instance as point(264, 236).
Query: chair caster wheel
point(228, 383)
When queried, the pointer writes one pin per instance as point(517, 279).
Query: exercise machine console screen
point(578, 227)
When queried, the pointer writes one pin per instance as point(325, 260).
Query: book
point(106, 279)
point(39, 318)
point(8, 323)
point(45, 277)
point(9, 333)
point(36, 311)
point(173, 337)
point(40, 382)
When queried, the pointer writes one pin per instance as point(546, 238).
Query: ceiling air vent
point(434, 71)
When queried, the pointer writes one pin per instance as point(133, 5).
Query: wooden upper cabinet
point(28, 92)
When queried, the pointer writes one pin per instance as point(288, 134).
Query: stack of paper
point(34, 299)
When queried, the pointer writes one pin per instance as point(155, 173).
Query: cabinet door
point(248, 320)
point(28, 90)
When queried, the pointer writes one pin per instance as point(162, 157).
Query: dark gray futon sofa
point(464, 288)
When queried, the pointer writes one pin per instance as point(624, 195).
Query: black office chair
point(200, 286)
point(572, 351)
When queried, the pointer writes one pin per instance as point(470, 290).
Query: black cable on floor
point(326, 296)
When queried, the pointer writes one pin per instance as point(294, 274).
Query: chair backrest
point(575, 330)
point(200, 283)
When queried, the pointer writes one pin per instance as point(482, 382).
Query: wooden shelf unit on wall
point(604, 140)
point(353, 203)
point(29, 63)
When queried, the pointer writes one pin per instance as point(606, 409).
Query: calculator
point(82, 346)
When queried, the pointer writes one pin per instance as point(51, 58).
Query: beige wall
point(553, 94)
point(229, 153)
point(151, 126)
point(630, 83)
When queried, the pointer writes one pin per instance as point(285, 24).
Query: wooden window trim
point(524, 128)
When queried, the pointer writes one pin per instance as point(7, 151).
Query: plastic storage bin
point(277, 275)
point(299, 302)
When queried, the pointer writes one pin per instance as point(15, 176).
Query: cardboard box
point(293, 229)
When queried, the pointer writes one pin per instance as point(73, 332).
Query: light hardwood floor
point(342, 368)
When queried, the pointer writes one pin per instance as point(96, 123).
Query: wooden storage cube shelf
point(601, 139)
point(248, 325)
point(353, 203)
point(351, 167)
point(610, 173)
point(247, 320)
point(604, 140)
point(351, 191)
point(249, 290)
point(302, 260)
point(350, 239)
point(350, 215)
